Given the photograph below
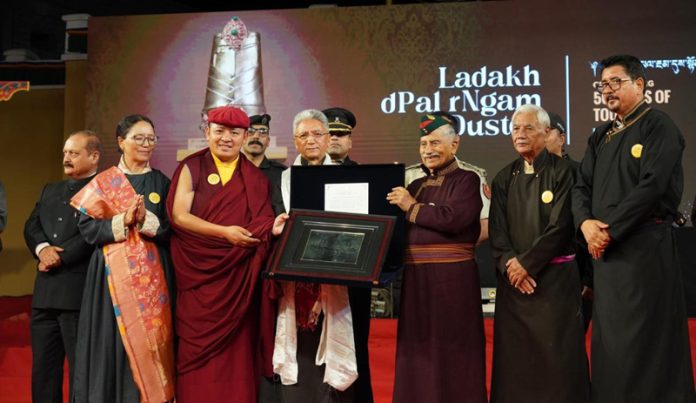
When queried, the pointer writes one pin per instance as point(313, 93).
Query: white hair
point(308, 114)
point(448, 131)
point(541, 115)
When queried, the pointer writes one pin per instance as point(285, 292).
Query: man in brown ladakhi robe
point(440, 344)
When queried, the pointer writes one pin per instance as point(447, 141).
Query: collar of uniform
point(449, 167)
point(632, 115)
point(265, 163)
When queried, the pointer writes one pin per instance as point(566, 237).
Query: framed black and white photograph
point(331, 247)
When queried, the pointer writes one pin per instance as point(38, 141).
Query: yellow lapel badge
point(213, 179)
point(547, 196)
point(637, 150)
point(154, 198)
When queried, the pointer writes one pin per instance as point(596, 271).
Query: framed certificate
point(354, 189)
point(331, 247)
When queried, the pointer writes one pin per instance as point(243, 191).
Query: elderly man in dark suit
point(52, 235)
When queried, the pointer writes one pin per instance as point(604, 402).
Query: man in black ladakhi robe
point(440, 343)
point(629, 186)
point(538, 345)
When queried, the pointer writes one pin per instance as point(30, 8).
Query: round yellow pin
point(213, 179)
point(637, 150)
point(154, 198)
point(547, 196)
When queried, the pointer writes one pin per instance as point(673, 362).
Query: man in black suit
point(341, 124)
point(52, 235)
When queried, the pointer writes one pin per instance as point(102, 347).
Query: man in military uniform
point(341, 124)
point(255, 150)
point(416, 171)
point(52, 235)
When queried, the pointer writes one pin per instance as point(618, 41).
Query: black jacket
point(53, 220)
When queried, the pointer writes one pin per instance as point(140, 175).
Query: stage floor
point(15, 352)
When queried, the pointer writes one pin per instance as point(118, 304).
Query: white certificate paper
point(347, 197)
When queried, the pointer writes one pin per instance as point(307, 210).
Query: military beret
point(431, 122)
point(557, 122)
point(452, 120)
point(264, 119)
point(229, 116)
point(341, 121)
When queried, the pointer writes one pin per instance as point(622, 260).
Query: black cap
point(557, 122)
point(264, 119)
point(450, 118)
point(341, 121)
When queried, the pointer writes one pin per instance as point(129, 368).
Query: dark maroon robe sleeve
point(461, 208)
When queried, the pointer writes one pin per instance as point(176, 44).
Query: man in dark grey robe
point(538, 346)
point(625, 200)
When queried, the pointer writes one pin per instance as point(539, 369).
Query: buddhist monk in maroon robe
point(440, 351)
point(223, 221)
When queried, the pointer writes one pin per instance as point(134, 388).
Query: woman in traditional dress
point(125, 349)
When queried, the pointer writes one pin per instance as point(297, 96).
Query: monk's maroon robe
point(218, 313)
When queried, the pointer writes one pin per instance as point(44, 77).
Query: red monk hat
point(229, 116)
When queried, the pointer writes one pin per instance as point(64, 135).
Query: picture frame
point(308, 187)
point(332, 247)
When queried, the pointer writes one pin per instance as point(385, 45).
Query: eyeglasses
point(614, 84)
point(262, 131)
point(317, 136)
point(140, 140)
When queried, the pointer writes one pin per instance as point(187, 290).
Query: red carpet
point(15, 352)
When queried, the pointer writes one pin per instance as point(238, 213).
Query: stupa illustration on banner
point(235, 78)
